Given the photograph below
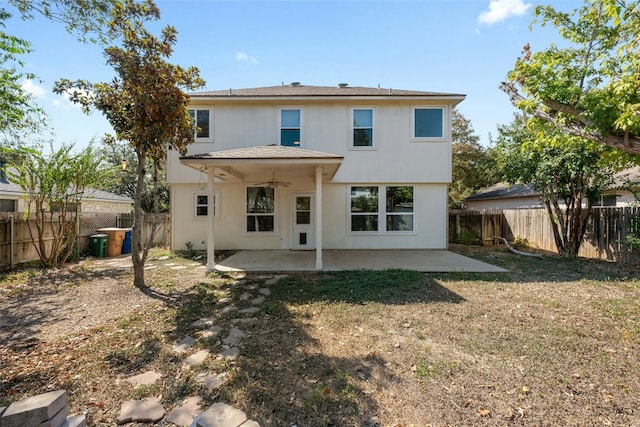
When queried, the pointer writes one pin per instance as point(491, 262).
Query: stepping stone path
point(148, 410)
point(146, 378)
point(188, 413)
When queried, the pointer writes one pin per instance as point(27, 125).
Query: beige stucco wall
point(395, 157)
point(430, 226)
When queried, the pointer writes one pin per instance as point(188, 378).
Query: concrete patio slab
point(423, 260)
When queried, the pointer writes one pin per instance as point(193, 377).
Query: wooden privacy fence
point(16, 244)
point(605, 238)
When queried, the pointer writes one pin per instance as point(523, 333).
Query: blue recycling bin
point(126, 243)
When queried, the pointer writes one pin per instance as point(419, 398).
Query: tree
point(568, 171)
point(18, 114)
point(17, 111)
point(590, 88)
point(145, 103)
point(121, 153)
point(53, 187)
point(472, 165)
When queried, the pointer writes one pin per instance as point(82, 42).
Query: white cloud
point(33, 88)
point(501, 10)
point(243, 57)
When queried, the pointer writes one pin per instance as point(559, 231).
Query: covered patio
point(423, 260)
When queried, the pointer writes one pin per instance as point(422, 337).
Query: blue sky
point(444, 46)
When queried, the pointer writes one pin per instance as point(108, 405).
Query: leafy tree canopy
point(17, 111)
point(472, 165)
point(145, 103)
point(569, 172)
point(591, 87)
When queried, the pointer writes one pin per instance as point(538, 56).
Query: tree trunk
point(137, 245)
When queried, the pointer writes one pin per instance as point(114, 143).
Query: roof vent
point(295, 84)
point(343, 85)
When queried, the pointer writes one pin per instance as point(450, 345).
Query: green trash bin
point(98, 245)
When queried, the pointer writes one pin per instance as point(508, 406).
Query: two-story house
point(298, 167)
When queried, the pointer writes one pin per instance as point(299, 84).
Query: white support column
point(318, 204)
point(211, 262)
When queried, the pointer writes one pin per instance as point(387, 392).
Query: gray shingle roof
point(93, 193)
point(330, 91)
point(265, 152)
point(504, 191)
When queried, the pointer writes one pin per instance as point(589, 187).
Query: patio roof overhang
point(234, 165)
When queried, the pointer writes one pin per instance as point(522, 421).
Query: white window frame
point(445, 131)
point(15, 203)
point(382, 211)
point(279, 136)
point(216, 205)
point(209, 138)
point(274, 214)
point(352, 129)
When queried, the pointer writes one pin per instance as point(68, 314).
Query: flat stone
point(250, 310)
point(220, 415)
point(75, 421)
point(148, 410)
point(257, 301)
point(230, 354)
point(228, 309)
point(179, 267)
point(145, 378)
point(245, 296)
point(241, 282)
point(163, 258)
point(211, 332)
point(250, 423)
point(212, 382)
point(184, 414)
point(184, 344)
point(196, 359)
point(34, 410)
point(264, 291)
point(205, 321)
point(235, 335)
point(169, 264)
point(57, 420)
point(150, 267)
point(275, 279)
point(225, 300)
point(245, 320)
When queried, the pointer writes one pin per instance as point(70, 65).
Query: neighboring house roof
point(299, 90)
point(502, 190)
point(7, 187)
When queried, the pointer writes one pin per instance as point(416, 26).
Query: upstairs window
point(290, 126)
point(201, 120)
point(428, 123)
point(362, 127)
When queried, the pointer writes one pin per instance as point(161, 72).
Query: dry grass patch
point(553, 342)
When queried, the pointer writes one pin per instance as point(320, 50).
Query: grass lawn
point(552, 342)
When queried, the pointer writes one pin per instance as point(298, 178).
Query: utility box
point(98, 245)
point(116, 237)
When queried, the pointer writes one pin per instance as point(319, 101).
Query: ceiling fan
point(273, 182)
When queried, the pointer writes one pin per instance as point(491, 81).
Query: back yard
point(553, 342)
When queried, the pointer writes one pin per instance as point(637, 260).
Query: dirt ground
point(553, 342)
